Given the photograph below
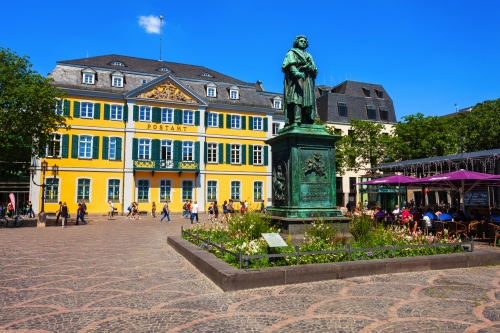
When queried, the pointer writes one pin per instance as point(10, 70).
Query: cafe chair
point(440, 226)
point(494, 233)
point(458, 229)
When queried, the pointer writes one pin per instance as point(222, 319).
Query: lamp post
point(43, 185)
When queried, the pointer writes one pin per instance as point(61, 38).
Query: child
point(211, 212)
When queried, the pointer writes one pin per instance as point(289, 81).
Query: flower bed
point(243, 233)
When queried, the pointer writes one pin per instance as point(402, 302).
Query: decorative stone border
point(229, 278)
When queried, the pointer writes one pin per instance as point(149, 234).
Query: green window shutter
point(125, 112)
point(155, 152)
point(76, 109)
point(197, 118)
point(74, 146)
point(107, 112)
point(228, 153)
point(266, 155)
point(135, 149)
point(118, 149)
point(136, 113)
point(228, 121)
point(243, 154)
point(156, 115)
point(95, 148)
point(205, 147)
point(105, 147)
point(250, 123)
point(243, 122)
point(221, 120)
point(197, 151)
point(66, 108)
point(177, 116)
point(65, 145)
point(266, 125)
point(97, 111)
point(250, 154)
point(206, 118)
point(221, 153)
point(177, 151)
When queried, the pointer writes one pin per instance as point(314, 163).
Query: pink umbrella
point(394, 180)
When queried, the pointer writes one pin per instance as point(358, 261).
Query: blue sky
point(428, 55)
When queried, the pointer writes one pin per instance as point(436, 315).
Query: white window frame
point(276, 104)
point(116, 111)
point(190, 117)
point(234, 92)
point(88, 78)
point(235, 153)
point(233, 120)
point(214, 157)
point(144, 144)
point(117, 81)
point(89, 110)
point(189, 145)
point(211, 92)
point(89, 199)
point(53, 149)
point(80, 145)
point(119, 190)
point(112, 148)
point(262, 191)
point(48, 186)
point(276, 128)
point(167, 143)
point(168, 196)
point(167, 113)
point(215, 119)
point(59, 111)
point(137, 192)
point(183, 199)
point(145, 113)
point(240, 189)
point(258, 152)
point(258, 124)
point(216, 190)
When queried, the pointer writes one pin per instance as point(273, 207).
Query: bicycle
point(17, 221)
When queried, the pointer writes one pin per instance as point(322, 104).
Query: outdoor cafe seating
point(494, 233)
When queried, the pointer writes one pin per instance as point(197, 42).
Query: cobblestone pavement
point(121, 276)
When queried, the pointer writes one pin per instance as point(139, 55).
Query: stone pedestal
point(303, 169)
point(42, 218)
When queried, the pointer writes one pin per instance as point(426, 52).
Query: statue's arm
point(295, 72)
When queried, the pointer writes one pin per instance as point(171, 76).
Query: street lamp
point(43, 168)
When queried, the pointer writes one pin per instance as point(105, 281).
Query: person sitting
point(405, 215)
point(477, 216)
point(445, 217)
point(429, 217)
point(495, 216)
point(459, 216)
point(380, 215)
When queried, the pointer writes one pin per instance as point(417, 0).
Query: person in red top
point(405, 215)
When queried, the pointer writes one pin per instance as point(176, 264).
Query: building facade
point(149, 131)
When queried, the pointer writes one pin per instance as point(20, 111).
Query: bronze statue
point(300, 73)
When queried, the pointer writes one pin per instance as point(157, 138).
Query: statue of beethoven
point(300, 73)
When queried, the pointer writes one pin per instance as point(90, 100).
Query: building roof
point(141, 65)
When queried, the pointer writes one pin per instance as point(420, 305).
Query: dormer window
point(277, 102)
point(380, 93)
point(211, 90)
point(117, 79)
point(366, 92)
point(205, 74)
point(371, 112)
point(164, 69)
point(117, 63)
point(88, 76)
point(234, 92)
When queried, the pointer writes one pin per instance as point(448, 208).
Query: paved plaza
point(121, 276)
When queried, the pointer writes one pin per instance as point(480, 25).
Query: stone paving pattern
point(121, 276)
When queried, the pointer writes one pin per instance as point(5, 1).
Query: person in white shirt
point(396, 210)
point(194, 212)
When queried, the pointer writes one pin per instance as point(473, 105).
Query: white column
point(128, 171)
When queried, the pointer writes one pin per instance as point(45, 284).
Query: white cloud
point(150, 23)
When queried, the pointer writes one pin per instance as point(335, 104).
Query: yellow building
point(147, 131)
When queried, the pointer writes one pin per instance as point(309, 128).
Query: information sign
point(274, 240)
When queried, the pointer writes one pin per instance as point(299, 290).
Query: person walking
point(59, 212)
point(32, 213)
point(80, 213)
point(64, 215)
point(135, 211)
point(153, 209)
point(111, 211)
point(166, 212)
point(185, 207)
point(194, 211)
point(130, 207)
point(262, 207)
point(216, 209)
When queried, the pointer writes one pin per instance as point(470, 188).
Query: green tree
point(27, 104)
point(423, 137)
point(365, 145)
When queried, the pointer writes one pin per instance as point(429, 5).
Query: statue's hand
point(300, 75)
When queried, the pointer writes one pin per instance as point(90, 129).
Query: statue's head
point(300, 39)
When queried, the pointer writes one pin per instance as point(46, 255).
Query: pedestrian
point(59, 212)
point(242, 207)
point(166, 212)
point(135, 211)
point(10, 210)
point(211, 212)
point(230, 208)
point(64, 215)
point(225, 210)
point(111, 211)
point(185, 213)
point(130, 207)
point(32, 213)
point(246, 205)
point(262, 207)
point(80, 215)
point(84, 207)
point(194, 211)
point(153, 209)
point(216, 209)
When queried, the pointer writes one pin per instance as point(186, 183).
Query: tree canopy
point(27, 108)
